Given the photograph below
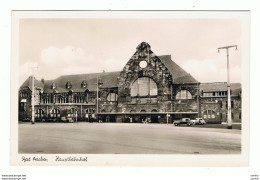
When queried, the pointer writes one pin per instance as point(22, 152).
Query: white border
point(137, 160)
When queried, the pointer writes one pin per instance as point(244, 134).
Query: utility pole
point(198, 100)
point(97, 100)
point(198, 94)
point(99, 83)
point(32, 101)
point(229, 118)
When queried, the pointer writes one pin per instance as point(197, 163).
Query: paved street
point(110, 138)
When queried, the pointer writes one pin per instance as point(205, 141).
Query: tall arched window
point(183, 94)
point(144, 87)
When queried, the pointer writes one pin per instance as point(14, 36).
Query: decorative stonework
point(154, 69)
point(143, 63)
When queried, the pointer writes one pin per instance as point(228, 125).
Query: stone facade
point(219, 106)
point(149, 87)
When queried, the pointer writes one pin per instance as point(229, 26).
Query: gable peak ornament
point(143, 47)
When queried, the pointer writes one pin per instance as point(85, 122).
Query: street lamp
point(32, 101)
point(229, 120)
point(99, 84)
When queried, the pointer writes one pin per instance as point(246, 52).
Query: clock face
point(143, 64)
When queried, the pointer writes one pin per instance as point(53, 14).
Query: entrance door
point(112, 118)
point(154, 117)
point(143, 116)
point(74, 114)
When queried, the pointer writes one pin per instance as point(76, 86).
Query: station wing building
point(149, 87)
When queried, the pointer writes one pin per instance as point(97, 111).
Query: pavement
point(223, 126)
point(126, 138)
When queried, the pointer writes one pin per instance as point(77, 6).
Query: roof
point(179, 75)
point(28, 83)
point(109, 79)
point(213, 87)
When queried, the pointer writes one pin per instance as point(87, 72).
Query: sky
point(80, 46)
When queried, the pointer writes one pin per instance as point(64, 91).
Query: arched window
point(60, 100)
point(73, 113)
point(39, 113)
point(144, 86)
point(112, 97)
point(209, 114)
point(183, 94)
point(55, 113)
point(76, 99)
point(47, 100)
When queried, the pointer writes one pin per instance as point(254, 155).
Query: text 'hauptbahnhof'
point(149, 87)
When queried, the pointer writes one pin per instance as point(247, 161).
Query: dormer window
point(84, 84)
point(68, 85)
point(100, 83)
point(53, 86)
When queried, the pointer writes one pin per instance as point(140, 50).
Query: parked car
point(198, 121)
point(66, 116)
point(186, 121)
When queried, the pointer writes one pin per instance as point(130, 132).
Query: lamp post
point(229, 119)
point(99, 83)
point(32, 102)
point(198, 100)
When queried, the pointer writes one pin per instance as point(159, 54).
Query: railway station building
point(148, 87)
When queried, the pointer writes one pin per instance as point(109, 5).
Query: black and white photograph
point(146, 83)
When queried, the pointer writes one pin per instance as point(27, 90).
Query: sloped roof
point(28, 83)
point(208, 87)
point(109, 79)
point(213, 87)
point(179, 75)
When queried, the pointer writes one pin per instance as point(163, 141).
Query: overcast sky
point(78, 46)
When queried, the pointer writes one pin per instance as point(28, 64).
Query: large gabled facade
point(149, 87)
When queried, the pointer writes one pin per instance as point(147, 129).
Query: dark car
point(185, 121)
